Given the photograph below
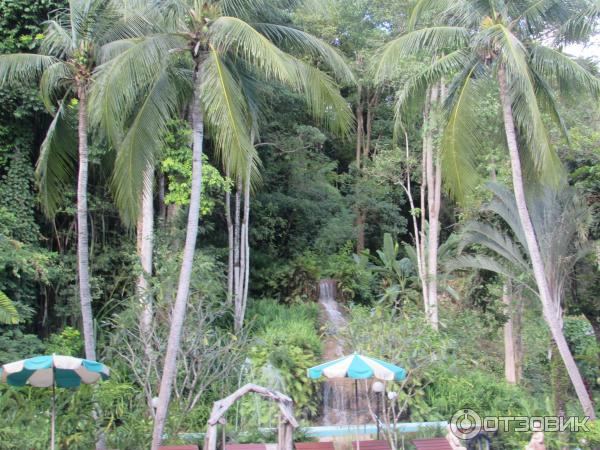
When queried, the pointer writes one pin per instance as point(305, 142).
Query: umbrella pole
point(53, 418)
point(356, 405)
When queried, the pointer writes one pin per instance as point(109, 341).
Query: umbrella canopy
point(52, 371)
point(358, 367)
point(57, 370)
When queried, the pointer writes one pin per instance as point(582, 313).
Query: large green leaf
point(8, 313)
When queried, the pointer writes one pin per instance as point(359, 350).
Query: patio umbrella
point(53, 371)
point(358, 367)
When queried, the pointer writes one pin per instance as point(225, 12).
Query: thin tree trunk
point(162, 207)
point(83, 263)
point(550, 308)
point(424, 188)
point(146, 247)
point(183, 288)
point(237, 251)
point(360, 140)
point(230, 241)
point(510, 350)
point(246, 244)
point(408, 189)
point(433, 210)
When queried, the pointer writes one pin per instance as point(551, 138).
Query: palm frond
point(113, 49)
point(115, 95)
point(236, 37)
point(307, 43)
point(423, 7)
point(478, 233)
point(580, 25)
point(57, 40)
point(23, 68)
point(526, 111)
point(564, 73)
point(432, 41)
point(8, 313)
point(227, 116)
point(55, 81)
point(479, 262)
point(548, 103)
point(503, 204)
point(459, 143)
point(533, 15)
point(56, 165)
point(143, 139)
point(323, 98)
point(417, 85)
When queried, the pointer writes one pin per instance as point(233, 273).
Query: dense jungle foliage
point(341, 203)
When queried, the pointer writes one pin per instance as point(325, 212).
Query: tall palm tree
point(560, 220)
point(204, 56)
point(504, 40)
point(74, 44)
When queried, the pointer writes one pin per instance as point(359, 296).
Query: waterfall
point(338, 397)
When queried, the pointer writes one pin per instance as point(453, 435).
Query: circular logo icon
point(465, 424)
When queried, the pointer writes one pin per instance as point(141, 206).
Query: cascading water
point(338, 395)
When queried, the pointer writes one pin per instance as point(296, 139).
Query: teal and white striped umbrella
point(358, 367)
point(57, 370)
point(53, 371)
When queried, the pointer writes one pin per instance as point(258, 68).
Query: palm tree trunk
point(146, 247)
point(183, 288)
point(550, 308)
point(83, 261)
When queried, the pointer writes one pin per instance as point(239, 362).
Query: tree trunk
point(551, 307)
point(162, 207)
point(360, 139)
point(237, 251)
point(417, 235)
point(510, 346)
point(83, 257)
point(433, 210)
point(83, 263)
point(230, 241)
point(146, 246)
point(242, 250)
point(183, 288)
point(246, 244)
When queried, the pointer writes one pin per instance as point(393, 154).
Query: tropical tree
point(560, 220)
point(75, 42)
point(205, 56)
point(503, 40)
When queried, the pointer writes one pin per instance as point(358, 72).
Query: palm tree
point(73, 45)
point(560, 221)
point(499, 39)
point(204, 56)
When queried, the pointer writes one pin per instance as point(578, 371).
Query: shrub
point(286, 343)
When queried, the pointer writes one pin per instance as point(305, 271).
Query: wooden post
point(210, 440)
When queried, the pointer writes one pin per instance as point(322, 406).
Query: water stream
point(338, 395)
